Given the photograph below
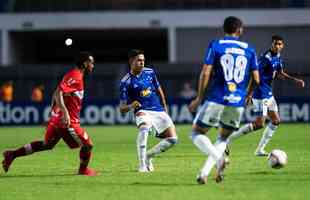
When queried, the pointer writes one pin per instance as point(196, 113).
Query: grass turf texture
point(51, 174)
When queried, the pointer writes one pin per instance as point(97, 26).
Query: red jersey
point(72, 86)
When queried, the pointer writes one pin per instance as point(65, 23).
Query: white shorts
point(262, 106)
point(212, 114)
point(160, 120)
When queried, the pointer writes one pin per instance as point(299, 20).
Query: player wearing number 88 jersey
point(230, 64)
point(233, 61)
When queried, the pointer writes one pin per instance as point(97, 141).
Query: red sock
point(27, 149)
point(84, 159)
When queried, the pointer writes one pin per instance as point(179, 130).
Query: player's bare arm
point(202, 85)
point(255, 75)
point(124, 107)
point(253, 83)
point(61, 103)
point(251, 87)
point(163, 98)
point(54, 100)
point(298, 81)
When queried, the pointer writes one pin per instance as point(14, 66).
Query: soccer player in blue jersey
point(141, 92)
point(265, 105)
point(230, 64)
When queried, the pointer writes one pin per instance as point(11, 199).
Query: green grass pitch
point(51, 175)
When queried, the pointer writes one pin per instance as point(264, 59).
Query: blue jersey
point(142, 88)
point(269, 64)
point(232, 61)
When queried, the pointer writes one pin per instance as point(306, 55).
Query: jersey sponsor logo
point(70, 81)
point(145, 92)
point(232, 98)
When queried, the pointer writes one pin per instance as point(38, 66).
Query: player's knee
point(195, 133)
point(173, 140)
point(87, 147)
point(48, 146)
point(276, 122)
point(223, 137)
point(258, 124)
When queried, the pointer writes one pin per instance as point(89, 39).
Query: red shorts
point(74, 137)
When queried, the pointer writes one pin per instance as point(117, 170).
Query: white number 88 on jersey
point(234, 69)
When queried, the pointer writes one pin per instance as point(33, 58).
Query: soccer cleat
point(260, 153)
point(143, 170)
point(227, 161)
point(88, 172)
point(7, 161)
point(201, 180)
point(149, 164)
point(227, 151)
point(220, 171)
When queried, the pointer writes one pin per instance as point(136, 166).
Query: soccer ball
point(277, 159)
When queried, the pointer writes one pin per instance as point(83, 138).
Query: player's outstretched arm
point(298, 81)
point(254, 81)
point(202, 85)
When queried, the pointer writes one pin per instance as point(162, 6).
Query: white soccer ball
point(277, 159)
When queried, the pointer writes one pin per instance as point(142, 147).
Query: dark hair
point(82, 57)
point(232, 24)
point(277, 38)
point(134, 52)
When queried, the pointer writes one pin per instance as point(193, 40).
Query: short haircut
point(277, 38)
point(232, 24)
point(134, 52)
point(82, 57)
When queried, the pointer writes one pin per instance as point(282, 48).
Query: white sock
point(204, 145)
point(220, 146)
point(162, 146)
point(141, 145)
point(242, 131)
point(267, 135)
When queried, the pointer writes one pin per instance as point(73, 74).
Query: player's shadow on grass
point(275, 176)
point(2, 176)
point(260, 173)
point(276, 172)
point(152, 184)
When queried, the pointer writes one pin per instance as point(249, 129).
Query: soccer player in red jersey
point(64, 122)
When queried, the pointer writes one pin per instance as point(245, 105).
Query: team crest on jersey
point(145, 92)
point(232, 87)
